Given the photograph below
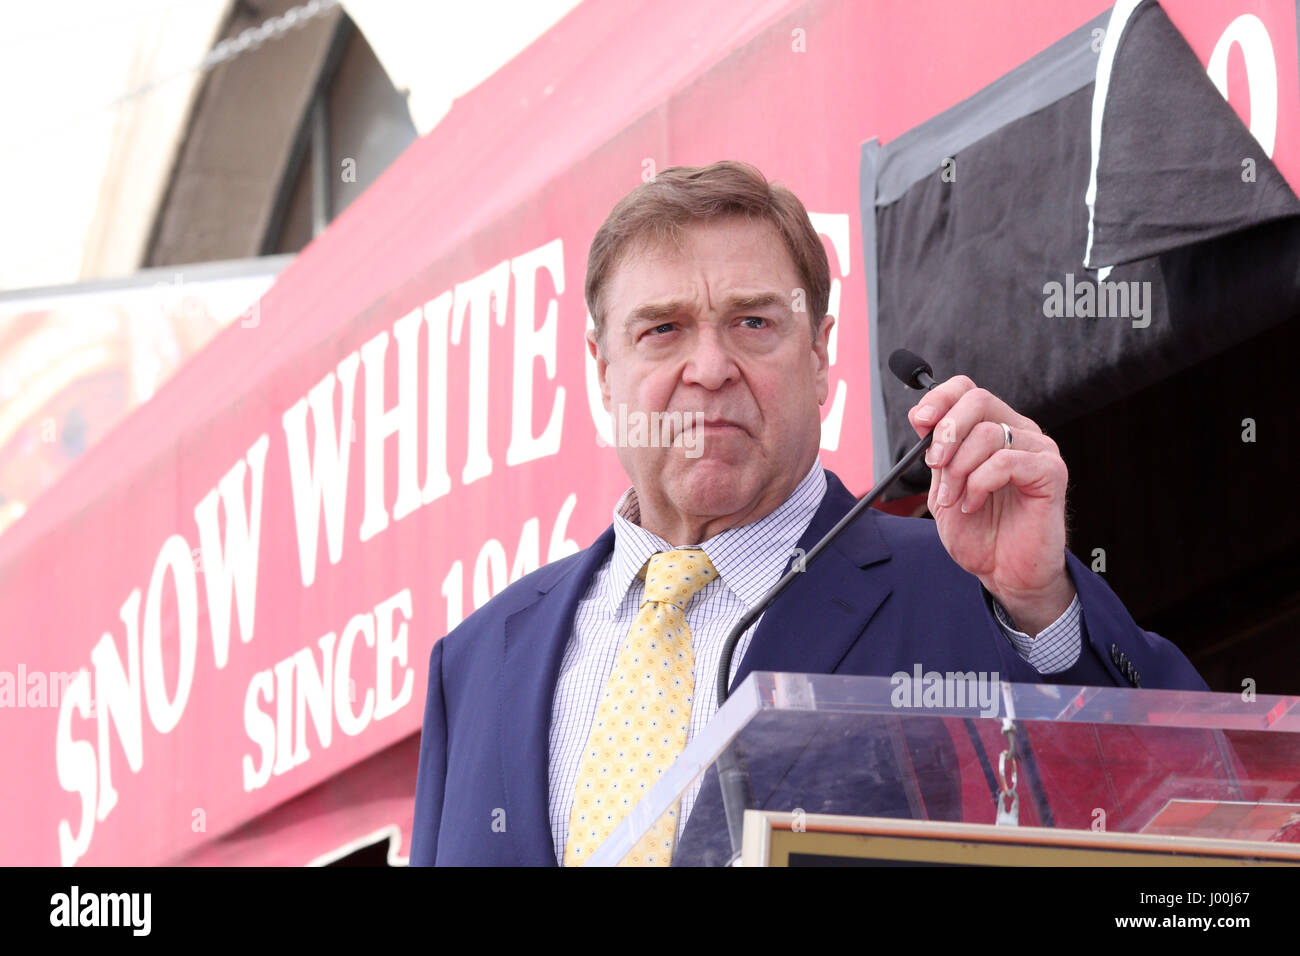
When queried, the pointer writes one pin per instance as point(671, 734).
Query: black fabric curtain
point(985, 257)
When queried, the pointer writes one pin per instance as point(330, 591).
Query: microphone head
point(909, 367)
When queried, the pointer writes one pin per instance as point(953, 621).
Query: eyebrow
point(655, 311)
point(753, 300)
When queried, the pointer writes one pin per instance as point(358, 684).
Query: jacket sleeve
point(431, 777)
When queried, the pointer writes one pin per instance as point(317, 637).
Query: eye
point(665, 327)
point(756, 318)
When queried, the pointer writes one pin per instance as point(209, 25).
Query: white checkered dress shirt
point(749, 561)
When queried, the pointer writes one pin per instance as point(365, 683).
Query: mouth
point(692, 427)
point(718, 425)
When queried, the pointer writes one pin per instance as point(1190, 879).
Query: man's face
point(711, 328)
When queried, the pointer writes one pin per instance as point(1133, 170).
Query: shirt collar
point(749, 559)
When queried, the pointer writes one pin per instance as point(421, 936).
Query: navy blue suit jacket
point(883, 598)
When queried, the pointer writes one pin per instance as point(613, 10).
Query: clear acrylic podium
point(950, 749)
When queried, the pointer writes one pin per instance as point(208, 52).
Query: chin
point(714, 486)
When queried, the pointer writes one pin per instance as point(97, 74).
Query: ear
point(821, 358)
point(602, 367)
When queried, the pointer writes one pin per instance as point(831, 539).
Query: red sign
point(232, 597)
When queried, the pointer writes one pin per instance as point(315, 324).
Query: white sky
point(63, 61)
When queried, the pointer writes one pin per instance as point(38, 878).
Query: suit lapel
point(835, 592)
point(535, 637)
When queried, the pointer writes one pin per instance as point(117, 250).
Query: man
point(552, 708)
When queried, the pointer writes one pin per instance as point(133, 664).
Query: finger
point(985, 439)
point(932, 499)
point(934, 404)
point(974, 406)
point(1034, 474)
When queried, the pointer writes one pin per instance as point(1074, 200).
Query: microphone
point(914, 372)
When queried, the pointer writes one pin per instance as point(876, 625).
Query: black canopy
point(984, 255)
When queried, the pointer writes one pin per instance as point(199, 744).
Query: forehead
point(713, 257)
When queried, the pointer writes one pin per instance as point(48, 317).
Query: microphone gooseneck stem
point(733, 636)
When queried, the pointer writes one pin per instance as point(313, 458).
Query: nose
point(710, 363)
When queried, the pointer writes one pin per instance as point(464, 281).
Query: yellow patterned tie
point(643, 716)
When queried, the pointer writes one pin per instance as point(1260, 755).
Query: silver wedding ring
point(1006, 435)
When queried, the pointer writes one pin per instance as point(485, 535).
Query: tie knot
point(673, 577)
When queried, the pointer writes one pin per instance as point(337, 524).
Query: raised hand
point(998, 496)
